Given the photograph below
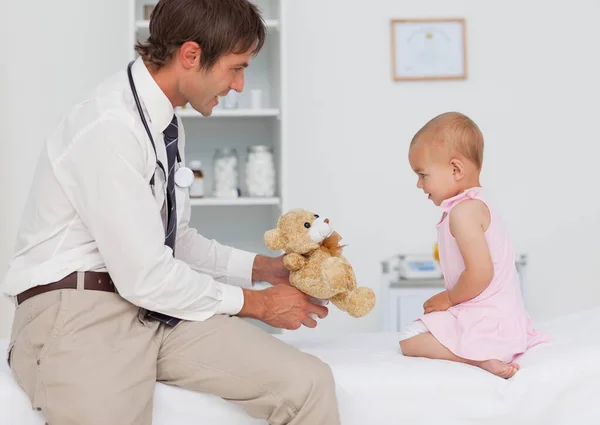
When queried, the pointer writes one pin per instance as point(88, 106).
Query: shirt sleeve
point(102, 175)
point(224, 263)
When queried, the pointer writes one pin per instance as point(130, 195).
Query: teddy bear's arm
point(294, 261)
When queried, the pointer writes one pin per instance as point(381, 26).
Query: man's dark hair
point(220, 27)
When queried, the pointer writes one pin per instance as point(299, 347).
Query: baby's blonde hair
point(456, 132)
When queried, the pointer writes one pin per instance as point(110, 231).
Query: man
point(114, 290)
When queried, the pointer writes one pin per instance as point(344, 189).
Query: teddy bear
point(314, 257)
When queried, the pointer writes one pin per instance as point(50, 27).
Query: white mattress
point(558, 384)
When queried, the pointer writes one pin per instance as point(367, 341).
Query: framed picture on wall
point(429, 49)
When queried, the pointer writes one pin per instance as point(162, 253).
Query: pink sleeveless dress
point(494, 325)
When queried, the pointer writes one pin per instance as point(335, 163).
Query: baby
point(480, 318)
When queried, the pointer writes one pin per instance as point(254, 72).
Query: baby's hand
point(439, 302)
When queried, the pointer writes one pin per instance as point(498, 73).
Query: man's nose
point(238, 83)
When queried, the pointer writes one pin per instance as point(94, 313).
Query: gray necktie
point(171, 137)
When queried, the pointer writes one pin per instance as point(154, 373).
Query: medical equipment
point(418, 267)
point(184, 177)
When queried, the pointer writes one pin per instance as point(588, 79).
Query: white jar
point(230, 101)
point(260, 171)
point(256, 96)
point(226, 173)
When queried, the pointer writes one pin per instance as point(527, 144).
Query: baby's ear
point(273, 240)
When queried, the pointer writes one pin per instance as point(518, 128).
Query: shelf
point(216, 202)
point(144, 25)
point(267, 112)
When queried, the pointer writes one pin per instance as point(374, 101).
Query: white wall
point(533, 87)
point(48, 60)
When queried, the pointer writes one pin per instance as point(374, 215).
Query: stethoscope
point(184, 177)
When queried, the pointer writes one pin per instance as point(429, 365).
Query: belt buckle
point(163, 318)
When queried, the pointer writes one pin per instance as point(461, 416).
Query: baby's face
point(435, 176)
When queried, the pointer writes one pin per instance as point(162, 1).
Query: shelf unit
point(143, 24)
point(239, 222)
point(237, 202)
point(240, 113)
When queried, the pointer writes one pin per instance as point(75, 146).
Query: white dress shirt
point(91, 208)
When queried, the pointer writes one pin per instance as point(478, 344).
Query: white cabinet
point(403, 298)
point(405, 301)
point(410, 303)
point(241, 221)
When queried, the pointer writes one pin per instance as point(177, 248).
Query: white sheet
point(558, 384)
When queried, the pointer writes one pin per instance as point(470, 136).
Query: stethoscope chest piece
point(184, 177)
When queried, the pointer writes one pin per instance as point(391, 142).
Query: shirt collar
point(470, 193)
point(153, 100)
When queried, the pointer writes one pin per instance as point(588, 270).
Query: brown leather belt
point(93, 281)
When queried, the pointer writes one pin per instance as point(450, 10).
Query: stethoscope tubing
point(145, 123)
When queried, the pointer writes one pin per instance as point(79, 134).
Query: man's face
point(201, 88)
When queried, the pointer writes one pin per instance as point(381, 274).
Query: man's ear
point(458, 168)
point(273, 240)
point(189, 55)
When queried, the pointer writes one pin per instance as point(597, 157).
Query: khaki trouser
point(90, 358)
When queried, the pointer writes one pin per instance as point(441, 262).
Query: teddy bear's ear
point(273, 240)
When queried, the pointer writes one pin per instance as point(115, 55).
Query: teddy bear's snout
point(320, 229)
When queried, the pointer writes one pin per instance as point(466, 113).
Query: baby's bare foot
point(499, 368)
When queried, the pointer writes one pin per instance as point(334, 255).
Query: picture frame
point(429, 49)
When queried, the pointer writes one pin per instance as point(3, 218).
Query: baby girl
point(480, 318)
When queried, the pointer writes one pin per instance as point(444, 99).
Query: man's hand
point(270, 269)
point(439, 302)
point(281, 306)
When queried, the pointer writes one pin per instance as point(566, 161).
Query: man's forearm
point(260, 268)
point(270, 269)
point(254, 305)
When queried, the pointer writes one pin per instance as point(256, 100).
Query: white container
point(231, 100)
point(256, 99)
point(260, 172)
point(226, 173)
point(197, 187)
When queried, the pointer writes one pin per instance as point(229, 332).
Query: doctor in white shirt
point(114, 290)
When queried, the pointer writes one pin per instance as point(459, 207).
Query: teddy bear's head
point(298, 231)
